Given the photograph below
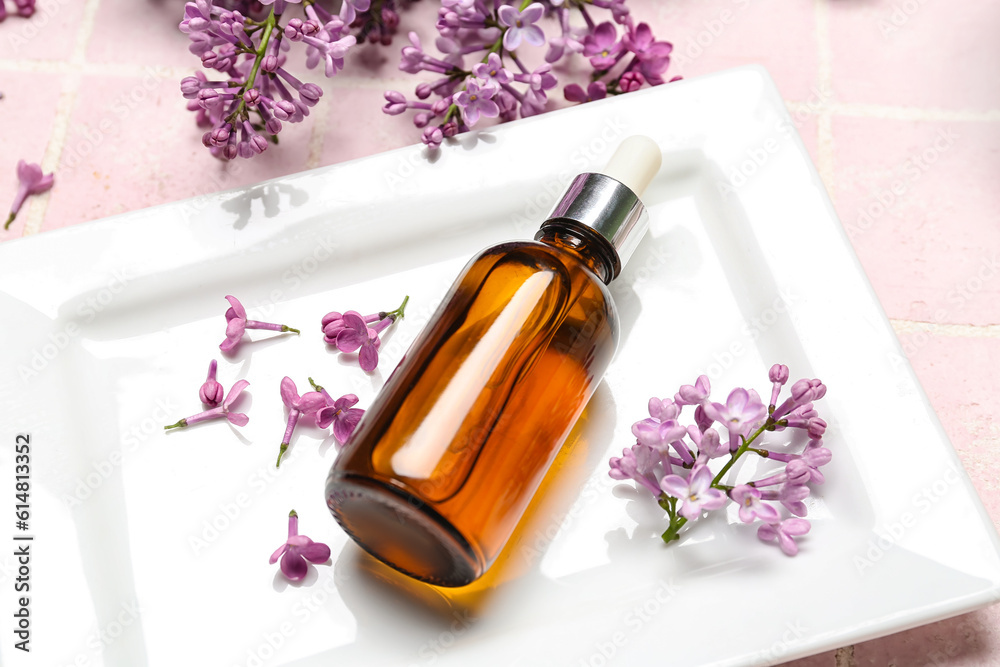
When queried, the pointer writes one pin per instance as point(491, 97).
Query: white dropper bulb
point(635, 163)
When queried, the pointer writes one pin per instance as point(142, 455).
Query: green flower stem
point(496, 48)
point(669, 503)
point(181, 424)
point(285, 329)
point(315, 386)
point(740, 452)
point(673, 531)
point(281, 452)
point(10, 219)
point(265, 38)
point(398, 313)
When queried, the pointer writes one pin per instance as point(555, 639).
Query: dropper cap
point(606, 205)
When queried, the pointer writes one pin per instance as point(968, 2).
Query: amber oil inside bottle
point(444, 463)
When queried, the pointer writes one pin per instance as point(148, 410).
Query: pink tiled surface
point(898, 94)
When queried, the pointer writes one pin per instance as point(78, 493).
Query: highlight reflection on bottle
point(445, 461)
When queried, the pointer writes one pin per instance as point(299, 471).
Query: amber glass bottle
point(447, 458)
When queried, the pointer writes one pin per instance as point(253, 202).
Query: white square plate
point(151, 548)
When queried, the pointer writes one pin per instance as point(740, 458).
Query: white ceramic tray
point(152, 548)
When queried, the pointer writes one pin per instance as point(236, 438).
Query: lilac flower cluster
point(498, 84)
point(673, 461)
point(22, 8)
point(246, 107)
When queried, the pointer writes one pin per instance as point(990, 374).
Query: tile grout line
point(881, 111)
point(946, 330)
point(64, 109)
point(844, 657)
point(824, 123)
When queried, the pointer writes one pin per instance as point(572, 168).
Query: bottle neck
point(590, 249)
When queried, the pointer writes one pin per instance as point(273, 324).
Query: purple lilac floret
point(339, 413)
point(30, 181)
point(353, 332)
point(306, 405)
point(671, 458)
point(219, 412)
point(479, 70)
point(237, 324)
point(298, 551)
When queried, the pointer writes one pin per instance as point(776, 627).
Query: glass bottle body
point(444, 463)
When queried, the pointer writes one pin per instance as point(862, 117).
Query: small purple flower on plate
point(237, 324)
point(298, 551)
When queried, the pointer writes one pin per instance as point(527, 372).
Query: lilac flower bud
point(269, 63)
point(311, 27)
point(209, 59)
point(220, 135)
point(441, 105)
point(310, 93)
point(432, 136)
point(819, 390)
point(816, 455)
point(694, 394)
point(208, 97)
point(450, 129)
point(791, 496)
point(244, 150)
point(507, 104)
point(301, 111)
point(211, 391)
point(798, 472)
point(630, 82)
point(198, 24)
point(258, 143)
point(395, 103)
point(230, 151)
point(283, 109)
point(251, 97)
point(778, 376)
point(799, 390)
point(190, 86)
point(702, 419)
point(816, 428)
point(273, 125)
point(663, 409)
point(206, 140)
point(422, 120)
point(412, 60)
point(711, 444)
point(293, 29)
point(390, 19)
point(424, 90)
